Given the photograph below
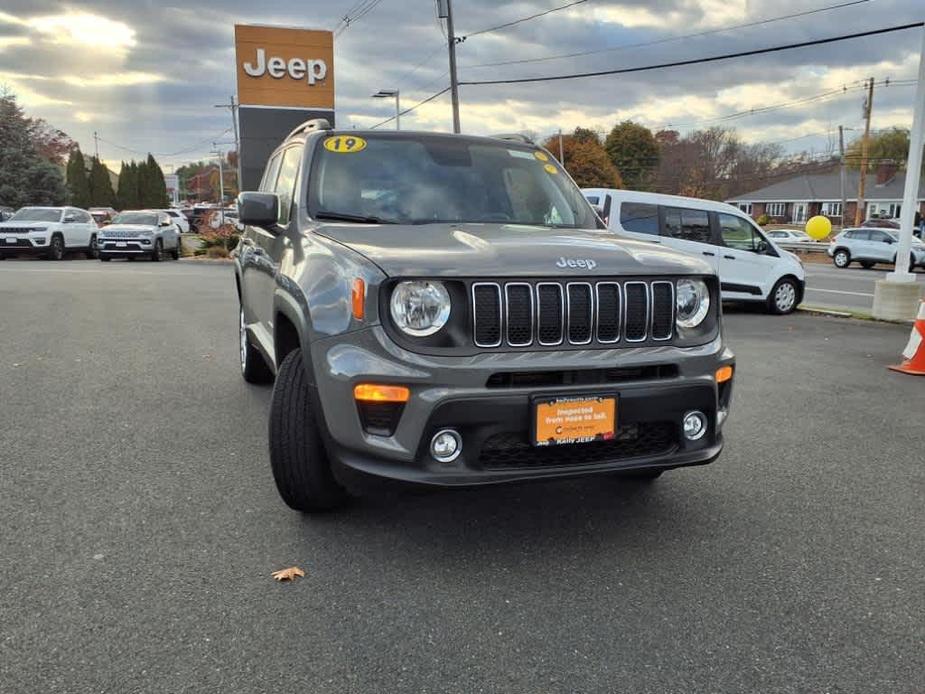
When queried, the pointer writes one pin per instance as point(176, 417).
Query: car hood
point(128, 227)
point(508, 250)
point(20, 224)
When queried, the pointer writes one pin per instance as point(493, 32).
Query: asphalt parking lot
point(140, 525)
point(848, 289)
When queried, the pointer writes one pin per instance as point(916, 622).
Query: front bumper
point(124, 248)
point(35, 243)
point(493, 414)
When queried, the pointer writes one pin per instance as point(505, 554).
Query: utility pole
point(445, 11)
point(561, 150)
point(232, 106)
point(96, 143)
point(842, 173)
point(913, 176)
point(865, 150)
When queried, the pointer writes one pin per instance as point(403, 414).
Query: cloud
point(147, 76)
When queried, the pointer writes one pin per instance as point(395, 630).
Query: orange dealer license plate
point(563, 420)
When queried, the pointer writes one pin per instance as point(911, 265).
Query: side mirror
point(165, 224)
point(258, 209)
point(761, 247)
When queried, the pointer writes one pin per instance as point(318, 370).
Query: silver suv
point(449, 310)
point(140, 233)
point(869, 246)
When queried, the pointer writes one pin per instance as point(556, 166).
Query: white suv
point(50, 232)
point(869, 246)
point(751, 267)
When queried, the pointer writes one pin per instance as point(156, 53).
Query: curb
point(207, 261)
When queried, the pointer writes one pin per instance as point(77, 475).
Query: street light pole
point(221, 188)
point(382, 93)
point(445, 11)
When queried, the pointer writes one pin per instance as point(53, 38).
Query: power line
point(355, 14)
point(822, 96)
point(669, 39)
point(521, 20)
point(698, 61)
point(409, 110)
point(166, 155)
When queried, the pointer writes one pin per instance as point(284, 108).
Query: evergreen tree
point(634, 151)
point(101, 194)
point(128, 186)
point(25, 178)
point(78, 186)
point(152, 188)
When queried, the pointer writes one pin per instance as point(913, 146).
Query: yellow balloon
point(818, 227)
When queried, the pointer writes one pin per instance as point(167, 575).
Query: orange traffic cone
point(915, 351)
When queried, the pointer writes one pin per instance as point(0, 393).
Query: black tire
point(867, 264)
point(93, 250)
point(297, 454)
point(175, 253)
point(105, 258)
point(56, 248)
point(841, 258)
point(157, 255)
point(784, 297)
point(254, 367)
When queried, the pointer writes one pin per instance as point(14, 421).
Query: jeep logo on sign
point(298, 69)
point(583, 263)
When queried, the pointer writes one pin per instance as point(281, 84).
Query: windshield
point(135, 218)
point(37, 214)
point(422, 179)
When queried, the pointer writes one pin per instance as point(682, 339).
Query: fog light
point(445, 446)
point(695, 425)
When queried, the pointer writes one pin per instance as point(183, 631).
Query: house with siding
point(794, 200)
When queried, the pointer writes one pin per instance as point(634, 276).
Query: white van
point(751, 267)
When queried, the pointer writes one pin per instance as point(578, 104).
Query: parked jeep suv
point(140, 233)
point(48, 232)
point(449, 310)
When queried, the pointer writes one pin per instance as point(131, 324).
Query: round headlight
point(693, 303)
point(420, 308)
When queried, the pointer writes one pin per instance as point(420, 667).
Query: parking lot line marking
point(837, 291)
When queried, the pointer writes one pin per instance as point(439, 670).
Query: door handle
point(709, 253)
point(729, 257)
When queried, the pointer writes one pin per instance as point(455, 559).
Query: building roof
point(826, 187)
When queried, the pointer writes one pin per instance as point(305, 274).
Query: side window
point(285, 182)
point(687, 224)
point(880, 236)
point(737, 233)
point(269, 175)
point(859, 235)
point(639, 217)
point(84, 217)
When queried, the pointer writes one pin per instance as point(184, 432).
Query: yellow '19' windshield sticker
point(542, 156)
point(345, 144)
point(551, 169)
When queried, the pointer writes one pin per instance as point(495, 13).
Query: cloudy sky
point(146, 74)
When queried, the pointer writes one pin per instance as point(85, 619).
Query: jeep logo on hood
point(583, 263)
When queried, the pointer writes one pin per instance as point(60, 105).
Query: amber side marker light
point(723, 374)
point(358, 296)
point(370, 392)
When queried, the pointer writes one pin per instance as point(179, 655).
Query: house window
point(884, 210)
point(831, 209)
point(746, 207)
point(776, 209)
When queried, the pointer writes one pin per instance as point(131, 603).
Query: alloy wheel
point(785, 297)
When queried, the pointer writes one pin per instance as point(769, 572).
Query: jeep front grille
point(520, 313)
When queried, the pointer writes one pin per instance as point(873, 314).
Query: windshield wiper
point(346, 217)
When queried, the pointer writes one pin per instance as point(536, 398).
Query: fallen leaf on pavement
point(289, 574)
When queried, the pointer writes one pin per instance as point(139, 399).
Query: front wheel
point(842, 258)
point(783, 297)
point(157, 255)
point(93, 250)
point(866, 264)
point(297, 455)
point(56, 250)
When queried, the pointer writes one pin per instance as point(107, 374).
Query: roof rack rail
point(515, 137)
point(310, 125)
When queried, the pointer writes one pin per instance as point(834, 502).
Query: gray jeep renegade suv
point(449, 310)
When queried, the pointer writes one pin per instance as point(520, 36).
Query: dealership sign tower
point(285, 77)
